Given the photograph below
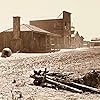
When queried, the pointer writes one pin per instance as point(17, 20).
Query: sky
point(85, 15)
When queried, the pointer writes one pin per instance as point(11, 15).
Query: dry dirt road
point(19, 66)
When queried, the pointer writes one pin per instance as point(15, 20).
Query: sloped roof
point(95, 39)
point(26, 27)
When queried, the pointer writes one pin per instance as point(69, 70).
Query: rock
point(16, 95)
point(14, 81)
point(91, 79)
point(6, 52)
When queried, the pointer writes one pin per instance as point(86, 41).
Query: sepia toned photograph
point(49, 50)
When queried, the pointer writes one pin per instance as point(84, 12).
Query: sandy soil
point(20, 65)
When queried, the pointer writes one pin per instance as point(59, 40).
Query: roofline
point(67, 12)
point(16, 16)
point(46, 33)
point(94, 41)
point(47, 19)
point(50, 34)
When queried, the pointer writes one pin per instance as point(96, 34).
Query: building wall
point(6, 38)
point(52, 25)
point(57, 26)
point(2, 41)
point(94, 43)
point(6, 42)
point(77, 41)
point(33, 42)
point(30, 42)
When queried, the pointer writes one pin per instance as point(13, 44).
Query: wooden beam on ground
point(85, 87)
point(76, 85)
point(63, 86)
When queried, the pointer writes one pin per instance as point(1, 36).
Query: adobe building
point(61, 27)
point(27, 38)
point(95, 42)
point(76, 40)
point(39, 36)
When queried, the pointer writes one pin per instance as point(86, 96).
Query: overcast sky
point(85, 13)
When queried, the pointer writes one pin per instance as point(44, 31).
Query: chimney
point(16, 27)
point(66, 14)
point(66, 20)
point(67, 29)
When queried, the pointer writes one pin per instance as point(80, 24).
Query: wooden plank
point(76, 85)
point(85, 87)
point(63, 86)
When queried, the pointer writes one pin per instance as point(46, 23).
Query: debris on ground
point(58, 80)
point(65, 67)
point(16, 95)
point(91, 78)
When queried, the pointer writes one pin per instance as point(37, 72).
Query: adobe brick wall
point(57, 26)
point(27, 42)
point(52, 25)
point(77, 41)
point(2, 41)
point(7, 38)
point(34, 42)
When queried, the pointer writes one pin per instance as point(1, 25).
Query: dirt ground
point(15, 81)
